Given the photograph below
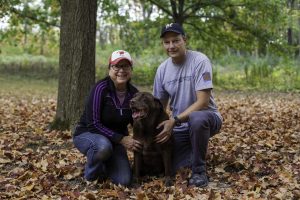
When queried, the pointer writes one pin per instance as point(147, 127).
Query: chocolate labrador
point(153, 159)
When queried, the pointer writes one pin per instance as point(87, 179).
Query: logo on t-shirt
point(206, 76)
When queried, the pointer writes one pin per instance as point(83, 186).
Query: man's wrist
point(177, 121)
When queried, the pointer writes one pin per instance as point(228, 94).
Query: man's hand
point(166, 133)
point(131, 144)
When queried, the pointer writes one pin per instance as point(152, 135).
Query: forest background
point(254, 46)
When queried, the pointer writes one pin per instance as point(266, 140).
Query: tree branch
point(174, 8)
point(32, 17)
point(162, 7)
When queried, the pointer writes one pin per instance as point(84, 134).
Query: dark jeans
point(190, 146)
point(104, 157)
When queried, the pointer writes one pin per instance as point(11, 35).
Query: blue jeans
point(190, 146)
point(104, 158)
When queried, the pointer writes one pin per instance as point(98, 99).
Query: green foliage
point(230, 72)
point(32, 26)
point(245, 39)
point(37, 67)
point(211, 26)
point(251, 73)
point(39, 43)
point(144, 76)
point(241, 25)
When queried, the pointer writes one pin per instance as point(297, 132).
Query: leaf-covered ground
point(256, 155)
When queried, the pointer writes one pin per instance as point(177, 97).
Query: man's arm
point(201, 103)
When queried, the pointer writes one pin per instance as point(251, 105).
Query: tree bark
point(76, 60)
point(43, 42)
point(293, 35)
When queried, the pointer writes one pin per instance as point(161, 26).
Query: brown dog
point(147, 113)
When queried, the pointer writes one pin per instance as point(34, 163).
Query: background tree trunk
point(76, 59)
point(293, 33)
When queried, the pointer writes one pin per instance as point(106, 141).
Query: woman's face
point(121, 72)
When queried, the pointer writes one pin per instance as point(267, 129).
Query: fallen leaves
point(256, 155)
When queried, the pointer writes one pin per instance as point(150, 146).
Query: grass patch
point(230, 72)
point(18, 85)
point(261, 74)
point(29, 66)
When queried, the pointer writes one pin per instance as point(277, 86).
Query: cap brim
point(170, 30)
point(119, 59)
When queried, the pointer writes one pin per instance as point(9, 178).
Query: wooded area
point(234, 25)
point(253, 29)
point(63, 46)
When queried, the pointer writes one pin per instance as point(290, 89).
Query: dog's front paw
point(168, 181)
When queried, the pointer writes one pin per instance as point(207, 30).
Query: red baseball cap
point(119, 55)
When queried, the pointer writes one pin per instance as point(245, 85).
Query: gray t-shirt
point(179, 83)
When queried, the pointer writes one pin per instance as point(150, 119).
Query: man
point(185, 81)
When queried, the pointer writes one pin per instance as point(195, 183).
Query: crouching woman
point(102, 134)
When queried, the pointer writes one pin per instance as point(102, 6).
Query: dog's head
point(143, 105)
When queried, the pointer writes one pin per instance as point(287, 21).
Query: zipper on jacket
point(117, 102)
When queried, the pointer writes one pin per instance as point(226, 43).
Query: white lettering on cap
point(169, 25)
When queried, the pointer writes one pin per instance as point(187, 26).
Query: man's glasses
point(125, 67)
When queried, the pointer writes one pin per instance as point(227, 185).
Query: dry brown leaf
point(255, 156)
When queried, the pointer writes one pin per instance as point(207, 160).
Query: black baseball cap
point(172, 27)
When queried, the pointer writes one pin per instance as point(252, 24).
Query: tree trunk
point(25, 29)
point(262, 48)
point(298, 41)
point(43, 41)
point(111, 34)
point(297, 54)
point(177, 11)
point(290, 5)
point(147, 10)
point(290, 36)
point(76, 60)
point(102, 36)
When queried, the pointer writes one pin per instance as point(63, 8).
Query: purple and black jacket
point(103, 113)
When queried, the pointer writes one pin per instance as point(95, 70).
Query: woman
point(102, 134)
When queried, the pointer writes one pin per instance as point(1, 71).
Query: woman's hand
point(131, 144)
point(166, 133)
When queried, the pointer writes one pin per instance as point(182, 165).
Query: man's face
point(175, 45)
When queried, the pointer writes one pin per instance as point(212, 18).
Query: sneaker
point(198, 180)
